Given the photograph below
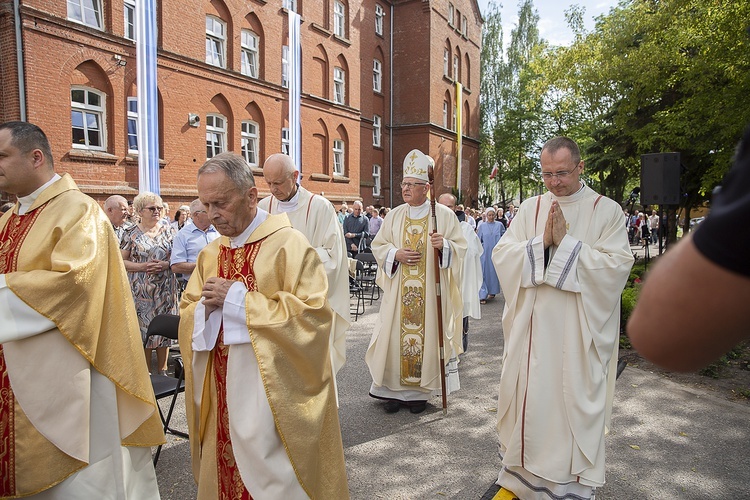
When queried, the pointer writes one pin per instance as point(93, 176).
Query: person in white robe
point(77, 410)
point(562, 265)
point(403, 355)
point(315, 217)
point(471, 273)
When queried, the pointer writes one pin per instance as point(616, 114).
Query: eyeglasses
point(412, 184)
point(199, 212)
point(560, 175)
point(154, 209)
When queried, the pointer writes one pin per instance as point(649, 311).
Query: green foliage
point(625, 342)
point(715, 369)
point(629, 299)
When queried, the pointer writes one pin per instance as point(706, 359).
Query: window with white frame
point(451, 13)
point(339, 85)
point(453, 127)
point(132, 124)
point(285, 148)
point(249, 137)
point(215, 42)
point(376, 129)
point(456, 68)
point(377, 75)
point(130, 19)
point(379, 16)
point(446, 62)
point(376, 180)
point(249, 48)
point(446, 107)
point(289, 5)
point(464, 25)
point(338, 157)
point(88, 12)
point(285, 66)
point(87, 117)
point(216, 135)
point(339, 17)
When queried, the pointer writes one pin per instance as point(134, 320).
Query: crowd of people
point(263, 293)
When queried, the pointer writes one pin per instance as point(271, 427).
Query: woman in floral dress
point(146, 248)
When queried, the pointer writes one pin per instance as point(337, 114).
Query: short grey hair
point(114, 200)
point(233, 166)
point(557, 143)
point(196, 205)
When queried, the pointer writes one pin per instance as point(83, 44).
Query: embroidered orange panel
point(234, 264)
point(11, 238)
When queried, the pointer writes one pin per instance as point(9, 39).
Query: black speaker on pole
point(660, 179)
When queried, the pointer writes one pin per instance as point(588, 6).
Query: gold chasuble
point(62, 259)
point(413, 283)
point(289, 387)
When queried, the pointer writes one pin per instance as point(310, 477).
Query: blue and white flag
point(148, 107)
point(295, 86)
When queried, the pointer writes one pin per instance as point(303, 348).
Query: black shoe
point(392, 406)
point(418, 407)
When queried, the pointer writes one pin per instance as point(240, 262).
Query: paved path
point(667, 442)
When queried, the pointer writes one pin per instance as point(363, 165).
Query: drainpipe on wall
point(19, 59)
point(390, 111)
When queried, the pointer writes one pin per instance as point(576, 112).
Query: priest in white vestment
point(471, 272)
point(315, 217)
point(403, 355)
point(562, 264)
point(77, 410)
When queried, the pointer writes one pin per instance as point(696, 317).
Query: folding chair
point(167, 325)
point(366, 277)
point(357, 292)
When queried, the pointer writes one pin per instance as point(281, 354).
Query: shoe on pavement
point(392, 406)
point(418, 407)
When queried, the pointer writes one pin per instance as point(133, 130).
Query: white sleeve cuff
point(533, 263)
point(447, 258)
point(390, 259)
point(205, 333)
point(18, 319)
point(561, 271)
point(235, 316)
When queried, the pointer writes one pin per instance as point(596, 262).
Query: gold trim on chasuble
point(11, 239)
point(235, 264)
point(413, 292)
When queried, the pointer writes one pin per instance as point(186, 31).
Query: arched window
point(249, 46)
point(249, 141)
point(216, 37)
point(216, 135)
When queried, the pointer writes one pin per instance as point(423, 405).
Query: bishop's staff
point(431, 177)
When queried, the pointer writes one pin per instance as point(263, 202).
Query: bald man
point(315, 217)
point(116, 208)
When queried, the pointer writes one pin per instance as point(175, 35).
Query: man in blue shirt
point(190, 240)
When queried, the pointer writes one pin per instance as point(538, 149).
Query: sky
point(552, 25)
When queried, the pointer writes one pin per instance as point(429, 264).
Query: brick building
point(378, 79)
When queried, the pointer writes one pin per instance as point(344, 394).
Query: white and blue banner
point(148, 102)
point(295, 88)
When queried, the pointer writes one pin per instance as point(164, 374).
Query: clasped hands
point(412, 257)
point(556, 227)
point(156, 266)
point(214, 292)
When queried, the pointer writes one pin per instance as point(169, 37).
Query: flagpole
point(295, 84)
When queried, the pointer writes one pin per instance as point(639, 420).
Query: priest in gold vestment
point(403, 355)
point(77, 411)
point(254, 327)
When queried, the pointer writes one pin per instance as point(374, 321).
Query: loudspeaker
point(660, 179)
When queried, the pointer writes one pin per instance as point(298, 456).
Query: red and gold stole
point(11, 239)
point(234, 264)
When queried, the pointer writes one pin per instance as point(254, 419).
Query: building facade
point(375, 84)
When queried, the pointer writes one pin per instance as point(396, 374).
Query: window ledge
point(340, 178)
point(448, 79)
point(257, 171)
point(320, 177)
point(89, 155)
point(133, 158)
point(321, 29)
point(344, 41)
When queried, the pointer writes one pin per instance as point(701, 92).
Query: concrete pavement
point(667, 441)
